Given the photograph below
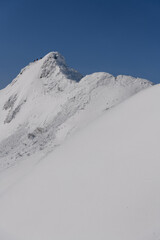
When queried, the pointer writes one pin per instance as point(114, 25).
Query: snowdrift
point(102, 183)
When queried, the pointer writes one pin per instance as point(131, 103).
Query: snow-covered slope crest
point(102, 183)
point(48, 100)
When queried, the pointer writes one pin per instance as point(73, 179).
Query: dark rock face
point(13, 112)
point(10, 102)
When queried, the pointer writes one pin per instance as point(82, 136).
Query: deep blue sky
point(119, 37)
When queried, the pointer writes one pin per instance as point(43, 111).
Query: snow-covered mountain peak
point(48, 101)
point(49, 75)
point(56, 57)
point(47, 70)
point(54, 64)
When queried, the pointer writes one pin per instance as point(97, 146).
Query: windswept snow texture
point(48, 101)
point(102, 183)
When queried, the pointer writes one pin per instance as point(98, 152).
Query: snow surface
point(102, 183)
point(48, 101)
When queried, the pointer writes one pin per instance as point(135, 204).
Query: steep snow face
point(102, 183)
point(48, 101)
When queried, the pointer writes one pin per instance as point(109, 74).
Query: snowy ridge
point(102, 183)
point(48, 101)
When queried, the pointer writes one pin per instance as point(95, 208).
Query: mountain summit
point(48, 101)
point(54, 65)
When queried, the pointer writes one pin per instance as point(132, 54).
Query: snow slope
point(102, 183)
point(48, 101)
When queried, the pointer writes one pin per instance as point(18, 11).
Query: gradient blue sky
point(119, 37)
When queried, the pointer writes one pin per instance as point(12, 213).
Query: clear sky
point(119, 37)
